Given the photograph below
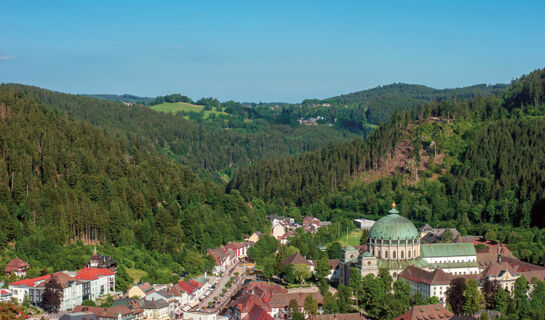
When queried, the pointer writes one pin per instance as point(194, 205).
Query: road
point(220, 285)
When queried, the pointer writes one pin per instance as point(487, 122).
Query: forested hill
point(62, 180)
point(382, 101)
point(202, 147)
point(121, 98)
point(455, 163)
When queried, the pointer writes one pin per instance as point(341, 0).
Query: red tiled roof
point(496, 269)
point(234, 245)
point(415, 274)
point(189, 286)
point(30, 282)
point(258, 313)
point(426, 312)
point(93, 273)
point(15, 264)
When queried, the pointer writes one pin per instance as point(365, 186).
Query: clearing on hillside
point(174, 107)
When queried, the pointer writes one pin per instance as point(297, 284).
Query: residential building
point(115, 312)
point(17, 267)
point(239, 248)
point(155, 309)
point(5, 295)
point(34, 288)
point(434, 235)
point(196, 315)
point(311, 224)
point(297, 258)
point(98, 261)
point(338, 316)
point(78, 316)
point(140, 290)
point(255, 236)
point(364, 223)
point(428, 283)
point(96, 282)
point(427, 312)
point(225, 259)
point(167, 297)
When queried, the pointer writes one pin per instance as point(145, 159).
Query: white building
point(428, 283)
point(364, 223)
point(88, 283)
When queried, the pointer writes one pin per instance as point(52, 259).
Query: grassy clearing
point(184, 106)
point(353, 238)
point(136, 274)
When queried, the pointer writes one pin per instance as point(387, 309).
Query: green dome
point(393, 226)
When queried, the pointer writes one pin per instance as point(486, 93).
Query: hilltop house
point(17, 267)
point(140, 290)
point(98, 261)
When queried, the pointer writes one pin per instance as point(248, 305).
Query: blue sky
point(266, 51)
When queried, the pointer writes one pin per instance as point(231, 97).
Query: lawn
point(353, 238)
point(184, 106)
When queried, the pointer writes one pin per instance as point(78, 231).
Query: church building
point(394, 243)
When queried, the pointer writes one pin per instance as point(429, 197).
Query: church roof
point(447, 250)
point(393, 226)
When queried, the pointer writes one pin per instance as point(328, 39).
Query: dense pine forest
point(201, 146)
point(475, 164)
point(63, 181)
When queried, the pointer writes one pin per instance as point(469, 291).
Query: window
point(409, 254)
point(402, 255)
point(385, 254)
point(394, 255)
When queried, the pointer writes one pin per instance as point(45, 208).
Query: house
point(194, 292)
point(428, 283)
point(98, 261)
point(167, 297)
point(34, 288)
point(196, 315)
point(338, 316)
point(115, 312)
point(155, 309)
point(239, 248)
point(78, 316)
point(255, 236)
point(96, 282)
point(140, 290)
point(434, 235)
point(17, 267)
point(311, 224)
point(5, 295)
point(428, 312)
point(297, 258)
point(276, 219)
point(364, 223)
point(278, 231)
point(224, 259)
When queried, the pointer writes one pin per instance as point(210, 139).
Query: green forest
point(77, 171)
point(472, 164)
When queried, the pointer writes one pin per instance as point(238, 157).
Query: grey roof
point(154, 304)
point(79, 316)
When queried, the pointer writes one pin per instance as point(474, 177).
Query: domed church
point(394, 243)
point(394, 237)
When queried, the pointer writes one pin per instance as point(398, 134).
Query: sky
point(266, 50)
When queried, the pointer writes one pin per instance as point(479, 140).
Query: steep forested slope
point(475, 165)
point(62, 180)
point(202, 147)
